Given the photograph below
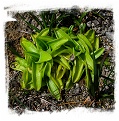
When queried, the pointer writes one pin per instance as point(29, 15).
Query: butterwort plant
point(59, 56)
point(59, 61)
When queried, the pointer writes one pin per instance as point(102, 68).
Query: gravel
point(78, 96)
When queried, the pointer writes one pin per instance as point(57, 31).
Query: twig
point(92, 102)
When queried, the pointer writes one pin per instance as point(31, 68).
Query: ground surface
point(78, 96)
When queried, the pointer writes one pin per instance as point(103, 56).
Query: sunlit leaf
point(44, 32)
point(37, 75)
point(28, 46)
point(53, 89)
point(59, 51)
point(41, 44)
point(90, 34)
point(77, 70)
point(62, 61)
point(96, 43)
point(60, 72)
point(26, 81)
point(99, 52)
point(19, 65)
point(69, 82)
point(82, 38)
point(89, 60)
point(48, 67)
point(44, 56)
point(57, 43)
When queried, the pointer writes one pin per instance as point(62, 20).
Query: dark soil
point(78, 96)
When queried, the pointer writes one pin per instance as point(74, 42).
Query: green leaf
point(32, 54)
point(70, 29)
point(65, 29)
point(37, 75)
point(53, 89)
point(61, 34)
point(59, 51)
point(57, 43)
point(19, 65)
point(60, 83)
point(26, 81)
point(82, 28)
point(60, 72)
point(96, 43)
point(83, 45)
point(33, 36)
point(56, 81)
point(28, 46)
point(88, 80)
point(99, 52)
point(48, 69)
point(41, 44)
point(21, 61)
point(44, 32)
point(62, 61)
point(42, 35)
point(82, 55)
point(90, 34)
point(45, 38)
point(89, 60)
point(80, 47)
point(88, 77)
point(83, 39)
point(96, 74)
point(69, 82)
point(44, 56)
point(29, 60)
point(92, 75)
point(73, 36)
point(77, 70)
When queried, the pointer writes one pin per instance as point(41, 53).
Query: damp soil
point(77, 96)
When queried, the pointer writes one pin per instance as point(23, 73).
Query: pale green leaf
point(28, 46)
point(57, 43)
point(37, 75)
point(89, 60)
point(53, 89)
point(44, 56)
point(90, 34)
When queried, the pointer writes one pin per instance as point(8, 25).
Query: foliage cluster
point(59, 57)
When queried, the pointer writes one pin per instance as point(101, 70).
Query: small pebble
point(106, 87)
point(109, 35)
point(89, 24)
point(95, 22)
